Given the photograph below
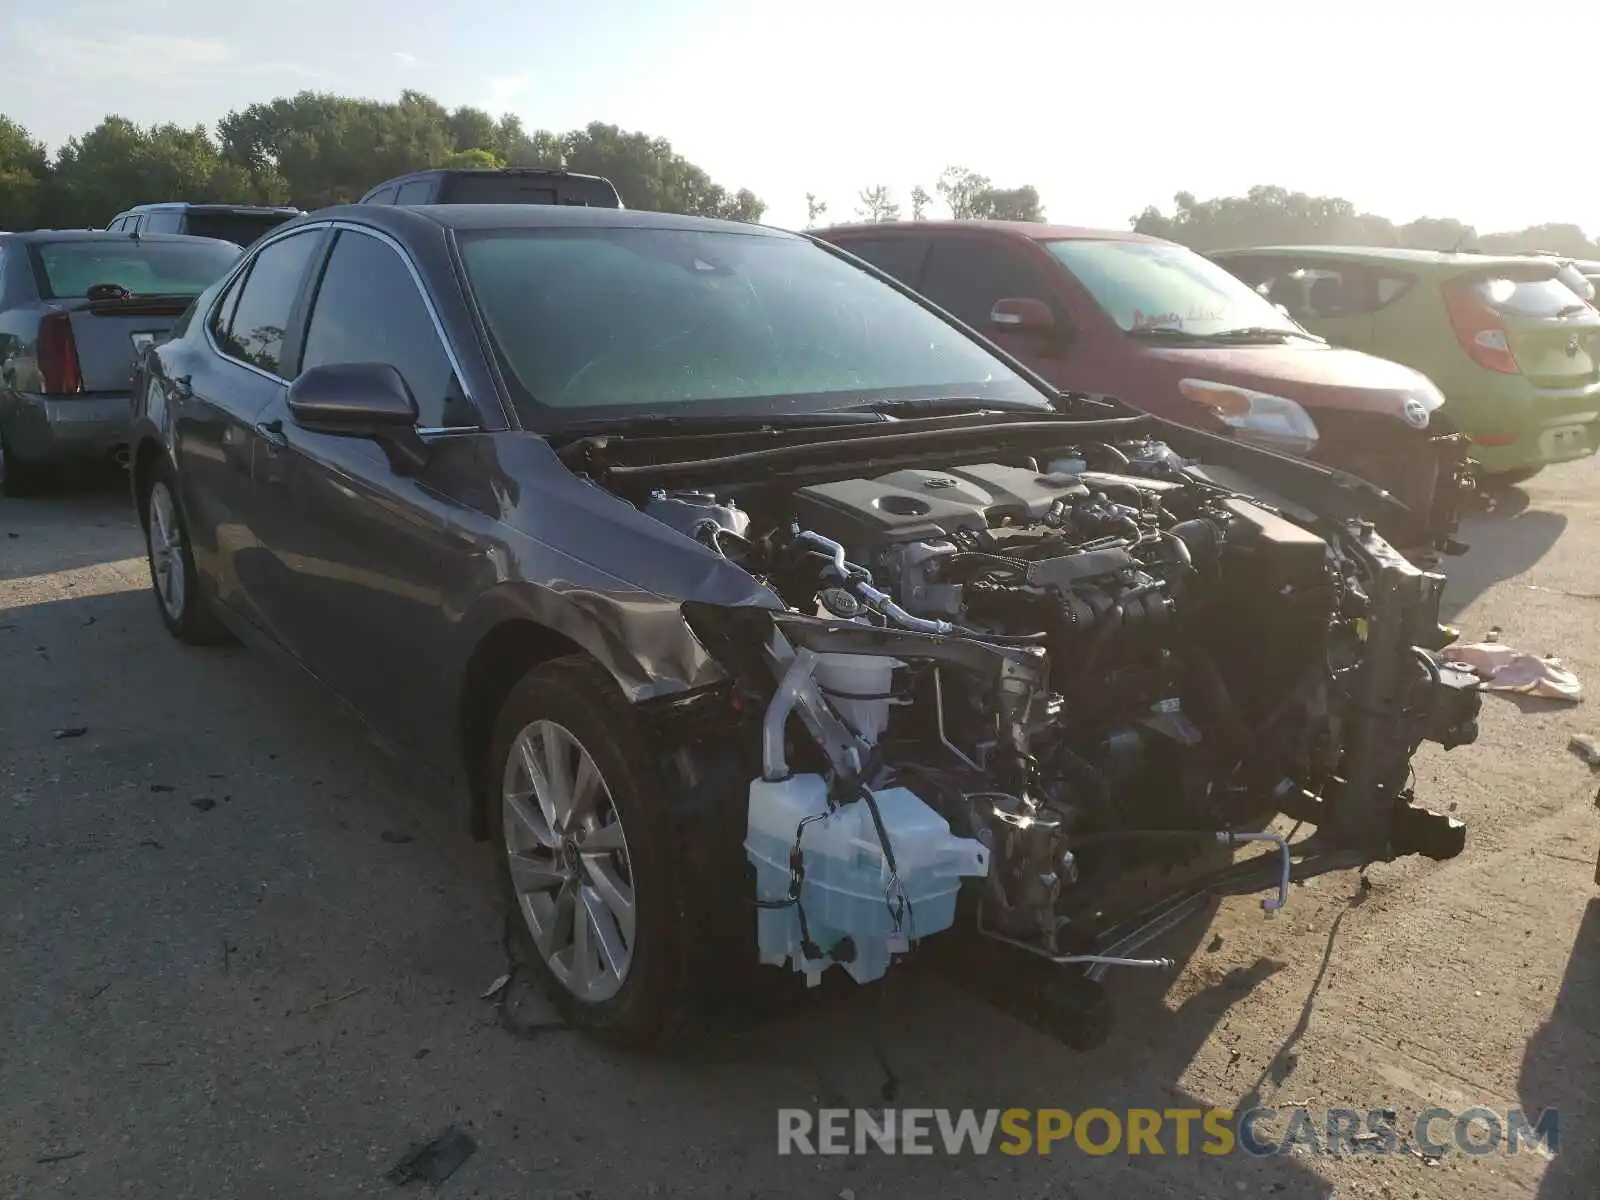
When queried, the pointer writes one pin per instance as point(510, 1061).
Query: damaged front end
point(999, 684)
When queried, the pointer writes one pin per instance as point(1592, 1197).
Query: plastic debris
point(75, 731)
point(495, 988)
point(1506, 669)
point(436, 1161)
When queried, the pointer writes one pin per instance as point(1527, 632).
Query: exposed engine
point(1082, 665)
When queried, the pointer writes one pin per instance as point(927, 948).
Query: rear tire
point(19, 478)
point(587, 863)
point(185, 609)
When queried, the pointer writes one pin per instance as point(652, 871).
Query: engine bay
point(1030, 675)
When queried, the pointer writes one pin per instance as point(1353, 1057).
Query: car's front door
point(216, 385)
point(364, 558)
point(966, 274)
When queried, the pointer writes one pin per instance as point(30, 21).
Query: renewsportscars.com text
point(1259, 1132)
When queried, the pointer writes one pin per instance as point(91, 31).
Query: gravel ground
point(242, 955)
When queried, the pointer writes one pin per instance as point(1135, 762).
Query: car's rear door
point(364, 559)
point(218, 382)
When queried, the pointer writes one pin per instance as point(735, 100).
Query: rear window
point(514, 189)
point(1548, 297)
point(67, 270)
point(239, 228)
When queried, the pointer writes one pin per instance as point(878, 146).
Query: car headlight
point(1275, 422)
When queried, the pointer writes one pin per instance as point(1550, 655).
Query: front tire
point(185, 610)
point(586, 859)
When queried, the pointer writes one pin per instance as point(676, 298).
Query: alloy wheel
point(165, 540)
point(568, 860)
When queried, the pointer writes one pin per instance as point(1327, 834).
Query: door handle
point(272, 434)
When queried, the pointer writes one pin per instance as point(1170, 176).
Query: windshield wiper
point(1251, 333)
point(1164, 331)
point(1245, 333)
point(650, 422)
point(932, 405)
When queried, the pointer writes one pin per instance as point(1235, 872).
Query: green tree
point(963, 191)
point(815, 210)
point(919, 202)
point(24, 170)
point(330, 149)
point(118, 164)
point(649, 174)
point(474, 160)
point(473, 129)
point(1011, 204)
point(877, 204)
point(314, 149)
point(1267, 215)
point(974, 197)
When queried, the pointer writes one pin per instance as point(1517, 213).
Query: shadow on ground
point(203, 919)
point(84, 520)
point(1561, 1069)
point(1506, 538)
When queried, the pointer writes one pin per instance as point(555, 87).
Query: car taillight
point(58, 356)
point(1479, 328)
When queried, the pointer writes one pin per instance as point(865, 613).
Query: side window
point(418, 191)
point(116, 225)
point(386, 196)
point(222, 313)
point(1321, 289)
point(902, 257)
point(966, 275)
point(253, 330)
point(368, 309)
point(166, 221)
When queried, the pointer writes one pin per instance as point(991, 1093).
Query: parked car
point(510, 185)
point(581, 505)
point(1158, 325)
point(1515, 349)
point(241, 224)
point(76, 309)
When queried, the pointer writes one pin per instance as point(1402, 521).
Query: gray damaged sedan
point(766, 616)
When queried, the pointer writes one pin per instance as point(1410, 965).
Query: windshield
point(67, 270)
point(602, 323)
point(239, 228)
point(1156, 285)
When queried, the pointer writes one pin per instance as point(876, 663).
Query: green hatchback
point(1514, 349)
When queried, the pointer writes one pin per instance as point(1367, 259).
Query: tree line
point(315, 149)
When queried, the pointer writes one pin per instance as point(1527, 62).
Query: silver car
point(77, 308)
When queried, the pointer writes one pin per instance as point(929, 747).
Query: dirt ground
point(242, 955)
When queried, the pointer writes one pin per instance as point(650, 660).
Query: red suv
point(1168, 331)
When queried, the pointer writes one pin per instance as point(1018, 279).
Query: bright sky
point(1406, 107)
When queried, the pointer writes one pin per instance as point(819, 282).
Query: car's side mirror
point(1032, 319)
point(368, 400)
